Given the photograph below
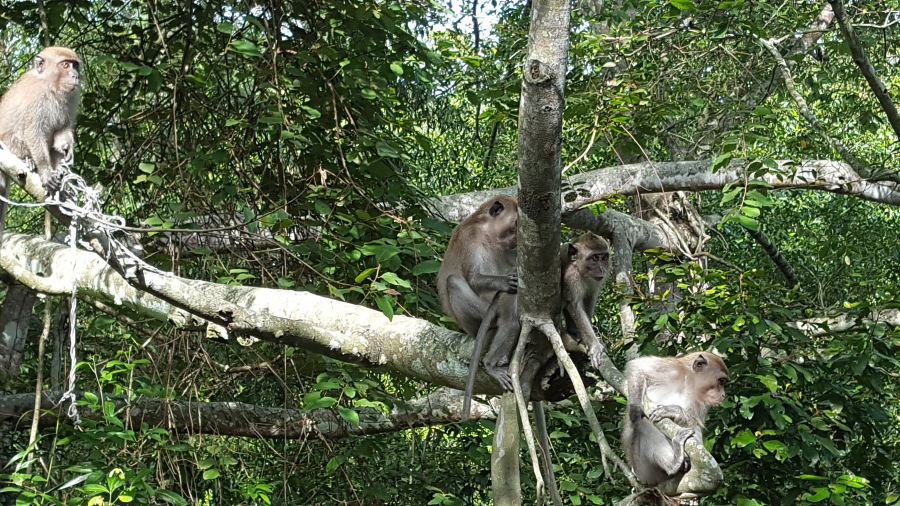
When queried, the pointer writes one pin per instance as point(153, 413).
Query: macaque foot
point(501, 374)
point(680, 439)
point(596, 350)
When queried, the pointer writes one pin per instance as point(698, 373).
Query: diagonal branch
point(774, 253)
point(814, 122)
point(865, 66)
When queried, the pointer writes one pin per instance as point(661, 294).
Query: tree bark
point(15, 316)
point(505, 483)
point(247, 420)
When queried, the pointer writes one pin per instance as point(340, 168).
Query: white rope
point(91, 199)
point(22, 204)
point(82, 201)
point(73, 302)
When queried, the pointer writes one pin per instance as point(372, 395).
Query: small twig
point(587, 149)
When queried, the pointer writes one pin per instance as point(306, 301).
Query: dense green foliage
point(321, 115)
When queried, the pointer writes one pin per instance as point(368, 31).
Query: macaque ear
point(38, 64)
point(496, 209)
point(573, 252)
point(699, 363)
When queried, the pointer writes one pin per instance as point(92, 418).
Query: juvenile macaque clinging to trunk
point(682, 389)
point(584, 266)
point(479, 266)
point(37, 115)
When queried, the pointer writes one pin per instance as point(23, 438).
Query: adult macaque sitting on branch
point(477, 282)
point(37, 117)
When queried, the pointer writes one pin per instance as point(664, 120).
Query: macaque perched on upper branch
point(37, 115)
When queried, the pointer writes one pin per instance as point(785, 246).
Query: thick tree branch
point(248, 420)
point(292, 318)
point(848, 322)
point(632, 179)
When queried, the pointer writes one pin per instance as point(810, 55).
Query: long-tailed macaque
point(479, 273)
point(584, 266)
point(681, 389)
point(37, 115)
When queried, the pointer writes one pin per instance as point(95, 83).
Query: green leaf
point(210, 474)
point(386, 305)
point(426, 267)
point(364, 274)
point(334, 463)
point(744, 438)
point(395, 280)
point(386, 150)
point(315, 400)
point(769, 381)
point(721, 161)
point(821, 493)
point(683, 5)
point(748, 222)
point(245, 48)
point(272, 120)
point(774, 446)
point(351, 416)
point(312, 113)
point(170, 497)
point(397, 68)
point(225, 27)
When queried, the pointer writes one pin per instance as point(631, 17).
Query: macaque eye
point(723, 382)
point(595, 258)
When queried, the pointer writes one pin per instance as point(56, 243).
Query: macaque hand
point(672, 412)
point(512, 282)
point(55, 181)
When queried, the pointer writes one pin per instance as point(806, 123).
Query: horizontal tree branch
point(848, 322)
point(318, 324)
point(639, 178)
point(248, 420)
